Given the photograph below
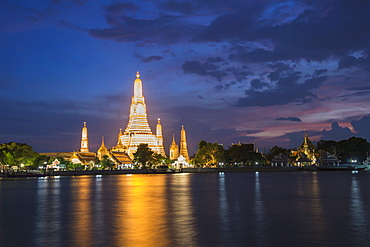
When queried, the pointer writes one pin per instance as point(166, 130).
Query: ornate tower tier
point(174, 149)
point(84, 140)
point(138, 130)
point(138, 122)
point(102, 150)
point(184, 145)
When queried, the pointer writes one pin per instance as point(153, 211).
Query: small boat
point(341, 168)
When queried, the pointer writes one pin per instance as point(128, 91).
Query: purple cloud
point(292, 119)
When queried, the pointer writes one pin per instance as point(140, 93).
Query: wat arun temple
point(137, 132)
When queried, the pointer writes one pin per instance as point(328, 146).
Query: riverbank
point(243, 169)
point(151, 171)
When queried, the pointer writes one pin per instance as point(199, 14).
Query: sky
point(230, 71)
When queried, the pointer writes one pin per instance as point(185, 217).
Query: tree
point(242, 153)
point(16, 154)
point(209, 153)
point(158, 159)
point(239, 153)
point(327, 147)
point(143, 155)
point(40, 161)
point(354, 148)
point(106, 162)
point(275, 150)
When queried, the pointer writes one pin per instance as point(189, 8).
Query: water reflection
point(140, 219)
point(358, 214)
point(98, 211)
point(1, 208)
point(317, 215)
point(311, 216)
point(284, 209)
point(81, 215)
point(224, 207)
point(183, 220)
point(48, 212)
point(259, 212)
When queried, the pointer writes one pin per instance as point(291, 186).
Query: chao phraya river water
point(229, 209)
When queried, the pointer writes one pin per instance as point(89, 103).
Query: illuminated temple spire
point(183, 144)
point(102, 150)
point(159, 133)
point(174, 149)
point(119, 146)
point(307, 147)
point(138, 130)
point(119, 136)
point(138, 121)
point(84, 140)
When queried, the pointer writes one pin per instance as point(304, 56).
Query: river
point(216, 209)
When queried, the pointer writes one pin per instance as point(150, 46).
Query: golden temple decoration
point(138, 130)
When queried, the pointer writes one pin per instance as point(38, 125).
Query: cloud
point(203, 69)
point(350, 61)
point(215, 60)
point(128, 26)
point(310, 30)
point(178, 7)
point(77, 2)
point(118, 8)
point(360, 93)
point(33, 14)
point(358, 88)
point(336, 133)
point(361, 127)
point(258, 84)
point(293, 119)
point(287, 90)
point(70, 25)
point(319, 72)
point(151, 59)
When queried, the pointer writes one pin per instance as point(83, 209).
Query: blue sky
point(260, 72)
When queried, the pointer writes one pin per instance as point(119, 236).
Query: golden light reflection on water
point(140, 218)
point(184, 229)
point(81, 218)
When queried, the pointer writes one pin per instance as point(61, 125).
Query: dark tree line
point(18, 154)
point(354, 148)
point(21, 154)
point(214, 154)
point(144, 157)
